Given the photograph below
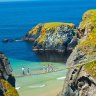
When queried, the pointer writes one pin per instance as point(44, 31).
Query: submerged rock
point(53, 36)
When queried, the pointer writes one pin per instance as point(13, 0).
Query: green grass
point(11, 91)
point(90, 68)
point(89, 45)
point(89, 22)
point(56, 24)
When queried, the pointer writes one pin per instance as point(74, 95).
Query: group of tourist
point(48, 68)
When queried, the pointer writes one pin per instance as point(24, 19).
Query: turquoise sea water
point(34, 67)
point(17, 18)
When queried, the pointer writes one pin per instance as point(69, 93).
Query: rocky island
point(53, 36)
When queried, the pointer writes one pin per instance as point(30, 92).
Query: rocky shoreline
point(7, 80)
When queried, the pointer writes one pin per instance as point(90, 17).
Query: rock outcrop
point(81, 80)
point(7, 80)
point(53, 36)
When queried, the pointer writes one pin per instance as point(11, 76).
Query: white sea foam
point(18, 40)
point(37, 86)
point(17, 88)
point(61, 78)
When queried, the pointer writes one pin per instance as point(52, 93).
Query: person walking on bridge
point(23, 70)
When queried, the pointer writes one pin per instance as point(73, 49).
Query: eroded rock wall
point(81, 81)
point(7, 80)
point(53, 36)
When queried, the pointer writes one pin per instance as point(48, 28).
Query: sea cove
point(16, 20)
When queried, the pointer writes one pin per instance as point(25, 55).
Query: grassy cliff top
point(42, 29)
point(89, 23)
point(88, 46)
point(56, 24)
point(90, 68)
point(47, 26)
point(89, 18)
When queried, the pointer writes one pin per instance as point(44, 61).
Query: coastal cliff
point(7, 80)
point(53, 36)
point(81, 80)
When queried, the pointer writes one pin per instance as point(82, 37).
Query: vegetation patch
point(90, 68)
point(89, 24)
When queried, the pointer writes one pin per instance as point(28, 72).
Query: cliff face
point(81, 80)
point(7, 81)
point(53, 36)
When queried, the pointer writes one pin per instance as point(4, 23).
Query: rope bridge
point(39, 72)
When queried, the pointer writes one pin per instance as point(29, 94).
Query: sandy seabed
point(49, 84)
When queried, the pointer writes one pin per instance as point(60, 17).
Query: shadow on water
point(53, 56)
point(50, 56)
point(23, 51)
